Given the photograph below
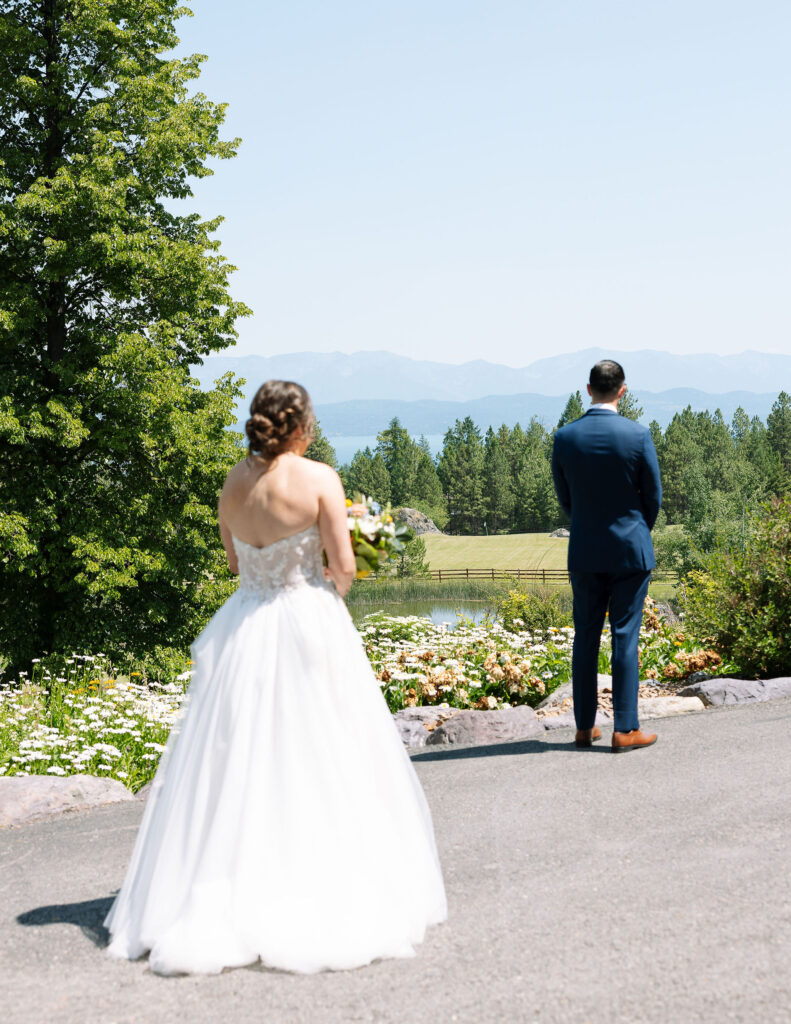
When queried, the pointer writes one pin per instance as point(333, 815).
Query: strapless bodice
point(294, 561)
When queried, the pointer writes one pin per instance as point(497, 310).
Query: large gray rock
point(564, 692)
point(663, 707)
point(417, 521)
point(479, 728)
point(716, 692)
point(560, 532)
point(28, 798)
point(416, 724)
point(565, 720)
point(413, 734)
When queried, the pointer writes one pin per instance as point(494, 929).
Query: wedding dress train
point(286, 822)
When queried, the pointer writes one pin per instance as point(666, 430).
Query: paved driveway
point(652, 887)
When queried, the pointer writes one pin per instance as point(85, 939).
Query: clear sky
point(503, 179)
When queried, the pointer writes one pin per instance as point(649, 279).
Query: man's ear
point(589, 391)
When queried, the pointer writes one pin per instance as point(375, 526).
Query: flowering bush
point(742, 601)
point(473, 666)
point(76, 716)
point(669, 653)
point(85, 720)
point(534, 611)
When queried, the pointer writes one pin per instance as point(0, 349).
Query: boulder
point(561, 532)
point(661, 707)
point(413, 734)
point(717, 692)
point(416, 520)
point(698, 677)
point(565, 720)
point(29, 798)
point(415, 725)
point(480, 728)
point(564, 692)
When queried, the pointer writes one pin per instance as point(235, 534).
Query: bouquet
point(376, 537)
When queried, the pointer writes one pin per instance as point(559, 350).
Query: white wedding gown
point(286, 822)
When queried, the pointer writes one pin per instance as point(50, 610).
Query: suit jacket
point(607, 480)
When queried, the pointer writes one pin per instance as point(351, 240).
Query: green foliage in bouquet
point(377, 538)
point(741, 602)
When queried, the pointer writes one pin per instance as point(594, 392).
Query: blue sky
point(504, 180)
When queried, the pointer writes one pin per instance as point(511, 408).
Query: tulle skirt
point(286, 822)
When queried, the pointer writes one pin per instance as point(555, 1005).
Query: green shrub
point(741, 602)
point(534, 611)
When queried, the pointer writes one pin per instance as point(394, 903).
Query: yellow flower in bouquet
point(376, 537)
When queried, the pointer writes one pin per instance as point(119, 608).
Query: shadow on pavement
point(87, 916)
point(508, 749)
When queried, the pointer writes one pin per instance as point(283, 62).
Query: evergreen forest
point(715, 474)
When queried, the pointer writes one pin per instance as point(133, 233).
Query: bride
point(285, 822)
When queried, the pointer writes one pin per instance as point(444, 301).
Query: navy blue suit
point(607, 480)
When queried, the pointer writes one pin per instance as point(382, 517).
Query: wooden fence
point(549, 577)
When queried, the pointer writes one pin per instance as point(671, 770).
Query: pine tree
point(380, 481)
point(461, 473)
point(320, 449)
point(778, 430)
point(629, 407)
point(367, 475)
point(427, 493)
point(399, 453)
point(412, 562)
point(574, 409)
point(111, 457)
point(498, 489)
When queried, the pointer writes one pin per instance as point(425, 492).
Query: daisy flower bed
point(83, 720)
point(76, 716)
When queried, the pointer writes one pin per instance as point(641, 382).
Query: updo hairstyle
point(279, 408)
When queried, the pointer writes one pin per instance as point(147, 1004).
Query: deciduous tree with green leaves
point(111, 458)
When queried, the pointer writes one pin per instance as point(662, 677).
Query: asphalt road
point(584, 887)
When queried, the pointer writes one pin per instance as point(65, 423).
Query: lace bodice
point(291, 562)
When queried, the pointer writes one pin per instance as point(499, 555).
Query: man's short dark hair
point(606, 378)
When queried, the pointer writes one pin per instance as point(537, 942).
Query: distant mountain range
point(338, 377)
point(369, 416)
point(358, 394)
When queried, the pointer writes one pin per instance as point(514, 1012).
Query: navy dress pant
point(624, 595)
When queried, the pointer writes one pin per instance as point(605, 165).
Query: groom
point(607, 480)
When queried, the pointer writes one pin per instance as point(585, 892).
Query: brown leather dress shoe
point(585, 737)
point(623, 741)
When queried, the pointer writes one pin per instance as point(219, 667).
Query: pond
point(437, 611)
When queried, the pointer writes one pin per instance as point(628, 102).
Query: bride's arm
point(225, 533)
point(334, 530)
point(227, 543)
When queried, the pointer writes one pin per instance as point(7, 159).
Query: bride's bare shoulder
point(319, 473)
point(238, 479)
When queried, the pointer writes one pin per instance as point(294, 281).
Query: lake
point(434, 610)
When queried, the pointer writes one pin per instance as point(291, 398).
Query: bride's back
point(263, 502)
point(275, 493)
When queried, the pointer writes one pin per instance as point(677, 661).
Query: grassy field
point(507, 551)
